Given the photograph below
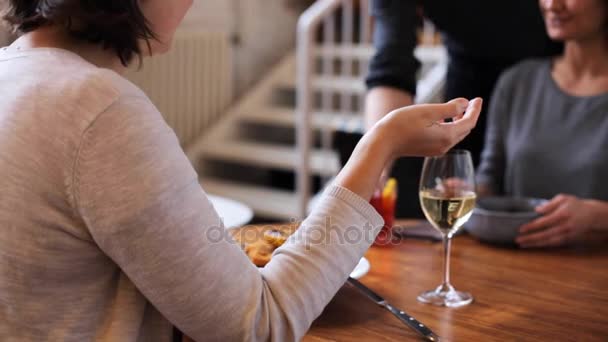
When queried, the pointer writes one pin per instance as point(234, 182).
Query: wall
point(263, 31)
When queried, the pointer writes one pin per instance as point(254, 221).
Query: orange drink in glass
point(384, 202)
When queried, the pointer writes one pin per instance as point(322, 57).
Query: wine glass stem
point(447, 243)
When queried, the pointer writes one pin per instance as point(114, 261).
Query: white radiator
point(192, 84)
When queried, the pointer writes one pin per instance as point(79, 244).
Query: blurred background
point(261, 110)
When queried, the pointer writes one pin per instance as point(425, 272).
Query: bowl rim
point(486, 212)
point(498, 213)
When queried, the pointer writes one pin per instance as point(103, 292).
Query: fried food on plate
point(259, 252)
point(276, 237)
point(259, 244)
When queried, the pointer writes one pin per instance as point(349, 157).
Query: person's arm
point(416, 130)
point(381, 100)
point(491, 170)
point(392, 73)
point(141, 201)
point(599, 212)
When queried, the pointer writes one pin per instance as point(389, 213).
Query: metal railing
point(321, 18)
point(322, 15)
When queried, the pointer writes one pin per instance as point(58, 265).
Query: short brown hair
point(118, 25)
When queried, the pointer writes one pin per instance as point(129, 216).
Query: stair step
point(264, 201)
point(279, 86)
point(286, 117)
point(346, 51)
point(424, 53)
point(355, 85)
point(324, 163)
point(340, 84)
point(336, 84)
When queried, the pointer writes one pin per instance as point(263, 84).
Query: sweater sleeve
point(491, 170)
point(395, 38)
point(141, 201)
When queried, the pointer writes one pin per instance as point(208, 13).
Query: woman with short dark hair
point(105, 232)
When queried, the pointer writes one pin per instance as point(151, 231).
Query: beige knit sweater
point(106, 234)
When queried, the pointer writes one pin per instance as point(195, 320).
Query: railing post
point(347, 39)
point(307, 25)
point(303, 120)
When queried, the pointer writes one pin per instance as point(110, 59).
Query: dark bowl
point(498, 219)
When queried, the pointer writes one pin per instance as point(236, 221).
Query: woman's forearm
point(362, 171)
point(599, 212)
point(382, 100)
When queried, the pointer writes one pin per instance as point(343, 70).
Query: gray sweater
point(541, 141)
point(106, 234)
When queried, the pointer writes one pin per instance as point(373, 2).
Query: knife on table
point(404, 317)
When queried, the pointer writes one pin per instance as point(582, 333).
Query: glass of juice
point(384, 202)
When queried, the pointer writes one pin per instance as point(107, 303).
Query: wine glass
point(447, 197)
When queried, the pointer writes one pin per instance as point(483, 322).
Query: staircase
point(252, 155)
point(256, 138)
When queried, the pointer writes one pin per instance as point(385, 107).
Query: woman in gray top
point(548, 131)
point(105, 232)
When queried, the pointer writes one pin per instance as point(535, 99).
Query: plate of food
point(259, 242)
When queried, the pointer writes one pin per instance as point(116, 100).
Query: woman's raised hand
point(421, 130)
point(418, 130)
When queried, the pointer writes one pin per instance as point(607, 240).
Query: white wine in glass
point(447, 198)
point(447, 213)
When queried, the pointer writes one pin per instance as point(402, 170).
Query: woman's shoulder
point(80, 85)
point(527, 69)
point(92, 83)
point(69, 71)
point(119, 84)
point(525, 77)
point(108, 91)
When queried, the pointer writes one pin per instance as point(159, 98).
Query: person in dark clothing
point(482, 39)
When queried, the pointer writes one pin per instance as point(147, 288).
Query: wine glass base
point(451, 299)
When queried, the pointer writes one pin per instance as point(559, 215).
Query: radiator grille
point(192, 84)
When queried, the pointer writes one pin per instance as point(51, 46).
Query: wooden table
point(520, 295)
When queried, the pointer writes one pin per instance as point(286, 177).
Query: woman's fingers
point(462, 126)
point(548, 220)
point(438, 112)
point(470, 117)
point(547, 238)
point(551, 215)
point(551, 205)
point(474, 109)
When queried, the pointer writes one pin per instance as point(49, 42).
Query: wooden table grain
point(520, 295)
